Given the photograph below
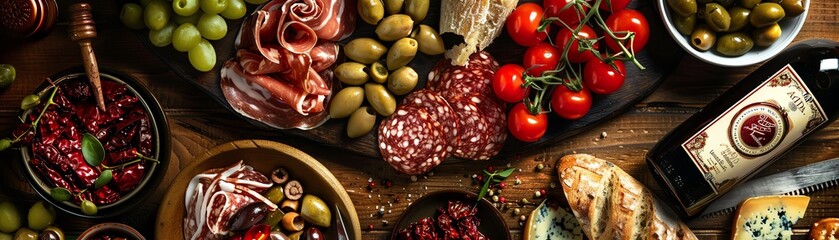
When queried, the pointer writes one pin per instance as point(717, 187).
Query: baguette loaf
point(610, 204)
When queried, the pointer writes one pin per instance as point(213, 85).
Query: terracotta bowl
point(111, 228)
point(160, 142)
point(492, 223)
point(264, 156)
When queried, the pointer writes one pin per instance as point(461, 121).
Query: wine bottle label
point(763, 124)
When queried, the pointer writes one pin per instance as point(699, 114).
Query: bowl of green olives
point(733, 33)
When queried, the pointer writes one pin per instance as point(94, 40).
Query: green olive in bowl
point(734, 44)
point(766, 36)
point(766, 14)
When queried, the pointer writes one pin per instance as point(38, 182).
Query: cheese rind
point(769, 217)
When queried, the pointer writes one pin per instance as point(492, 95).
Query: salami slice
point(433, 81)
point(439, 110)
point(461, 80)
point(412, 142)
point(482, 59)
point(474, 129)
point(496, 118)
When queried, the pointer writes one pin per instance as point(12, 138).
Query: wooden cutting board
point(659, 57)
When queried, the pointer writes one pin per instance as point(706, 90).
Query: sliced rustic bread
point(610, 204)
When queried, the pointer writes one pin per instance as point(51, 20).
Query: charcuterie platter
point(658, 58)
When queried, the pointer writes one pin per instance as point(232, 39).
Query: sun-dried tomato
point(421, 230)
point(456, 221)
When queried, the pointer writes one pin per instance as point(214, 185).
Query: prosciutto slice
point(214, 196)
point(284, 52)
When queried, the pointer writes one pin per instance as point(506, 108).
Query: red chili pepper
point(127, 178)
point(123, 156)
point(54, 177)
point(105, 195)
point(144, 139)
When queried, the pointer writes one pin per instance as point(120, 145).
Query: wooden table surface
point(197, 123)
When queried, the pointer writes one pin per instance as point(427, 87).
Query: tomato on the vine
point(540, 58)
point(523, 24)
point(507, 83)
point(526, 126)
point(575, 54)
point(613, 5)
point(601, 78)
point(628, 20)
point(569, 16)
point(569, 104)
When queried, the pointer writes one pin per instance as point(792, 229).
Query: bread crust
point(610, 204)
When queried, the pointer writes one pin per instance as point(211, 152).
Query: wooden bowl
point(111, 228)
point(264, 156)
point(492, 223)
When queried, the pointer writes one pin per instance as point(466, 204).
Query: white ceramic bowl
point(789, 29)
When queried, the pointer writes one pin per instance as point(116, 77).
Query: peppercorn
point(502, 185)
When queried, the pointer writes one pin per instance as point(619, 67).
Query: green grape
point(41, 216)
point(185, 7)
point(212, 26)
point(213, 6)
point(7, 75)
point(203, 56)
point(89, 208)
point(256, 1)
point(162, 37)
point(157, 15)
point(235, 9)
point(186, 37)
point(132, 16)
point(193, 19)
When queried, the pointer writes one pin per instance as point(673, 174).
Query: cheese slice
point(552, 222)
point(769, 217)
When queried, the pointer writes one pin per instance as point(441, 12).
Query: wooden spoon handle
point(83, 30)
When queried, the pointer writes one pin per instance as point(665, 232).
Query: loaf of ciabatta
point(610, 204)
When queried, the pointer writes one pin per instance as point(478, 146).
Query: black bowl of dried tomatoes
point(90, 162)
point(451, 214)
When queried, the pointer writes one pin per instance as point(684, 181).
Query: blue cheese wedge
point(552, 222)
point(769, 217)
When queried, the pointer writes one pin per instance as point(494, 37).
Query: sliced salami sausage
point(461, 80)
point(482, 59)
point(474, 129)
point(439, 110)
point(412, 142)
point(433, 81)
point(496, 119)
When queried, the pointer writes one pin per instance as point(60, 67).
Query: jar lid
point(25, 18)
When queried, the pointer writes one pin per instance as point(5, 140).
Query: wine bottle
point(749, 126)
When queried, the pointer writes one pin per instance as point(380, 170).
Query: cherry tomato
point(628, 20)
point(569, 104)
point(540, 58)
point(602, 78)
point(569, 16)
point(523, 24)
point(258, 232)
point(613, 5)
point(507, 83)
point(575, 55)
point(525, 126)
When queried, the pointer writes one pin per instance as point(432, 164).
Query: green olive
point(89, 208)
point(6, 236)
point(41, 216)
point(364, 50)
point(766, 36)
point(401, 53)
point(345, 102)
point(132, 16)
point(371, 11)
point(296, 235)
point(683, 8)
point(394, 27)
point(361, 122)
point(275, 194)
point(378, 72)
point(162, 37)
point(734, 44)
point(9, 217)
point(352, 73)
point(7, 75)
point(792, 8)
point(402, 81)
point(315, 211)
point(766, 14)
point(393, 6)
point(51, 233)
point(430, 42)
point(703, 38)
point(739, 18)
point(724, 3)
point(749, 4)
point(274, 218)
point(380, 99)
point(717, 18)
point(185, 7)
point(26, 234)
point(30, 102)
point(417, 9)
point(157, 14)
point(685, 25)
